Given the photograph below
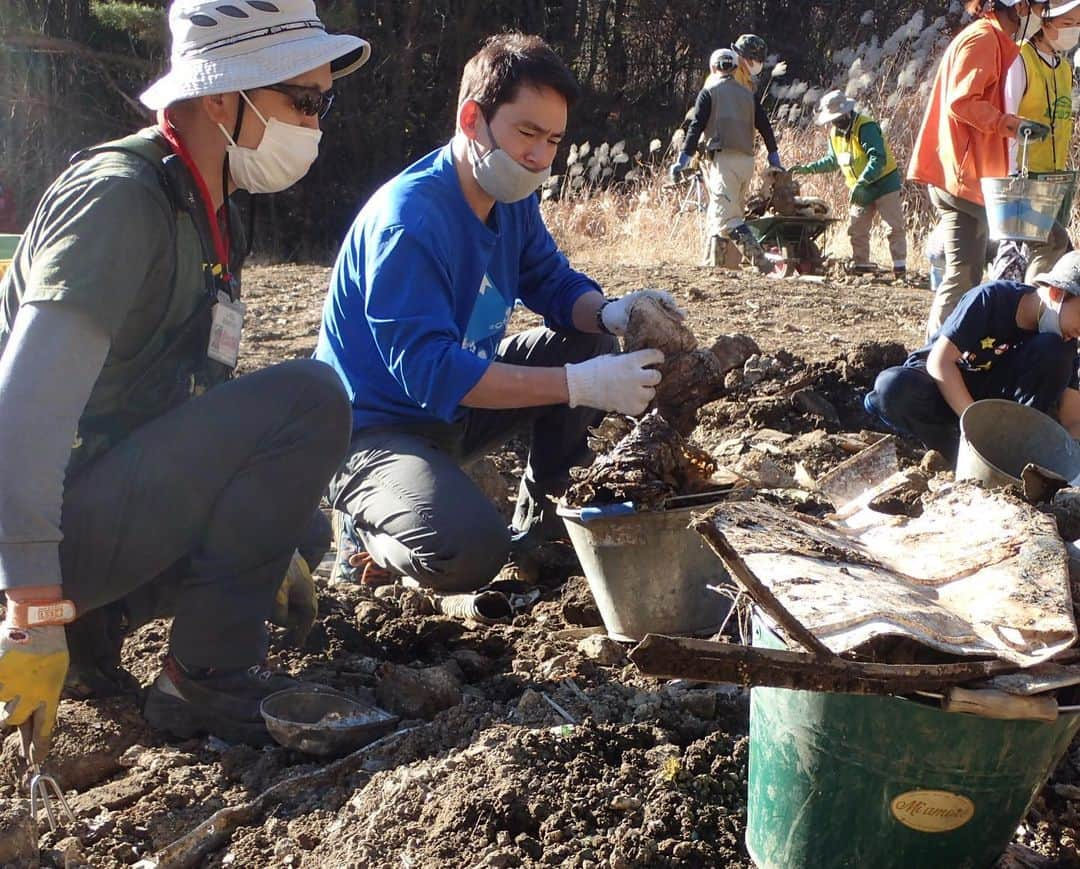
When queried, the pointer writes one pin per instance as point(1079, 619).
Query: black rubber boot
point(223, 704)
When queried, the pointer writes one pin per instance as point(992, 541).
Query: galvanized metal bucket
point(648, 571)
point(1022, 209)
point(998, 438)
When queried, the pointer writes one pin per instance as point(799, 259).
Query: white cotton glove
point(622, 384)
point(616, 314)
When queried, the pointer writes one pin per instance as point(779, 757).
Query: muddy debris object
point(648, 466)
point(18, 839)
point(578, 604)
point(692, 376)
point(412, 694)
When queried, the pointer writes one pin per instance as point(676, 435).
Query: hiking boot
point(94, 642)
point(224, 704)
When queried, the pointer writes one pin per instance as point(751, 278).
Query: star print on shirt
point(987, 343)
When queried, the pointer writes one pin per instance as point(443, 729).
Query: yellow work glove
point(296, 603)
point(33, 663)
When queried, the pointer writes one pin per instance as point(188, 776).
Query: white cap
point(834, 105)
point(1065, 274)
point(1053, 10)
point(723, 58)
point(220, 46)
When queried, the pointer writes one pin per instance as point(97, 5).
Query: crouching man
point(140, 479)
point(1004, 340)
point(414, 324)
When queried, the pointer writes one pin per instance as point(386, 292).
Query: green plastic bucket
point(840, 780)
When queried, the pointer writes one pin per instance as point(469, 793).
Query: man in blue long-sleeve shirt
point(414, 322)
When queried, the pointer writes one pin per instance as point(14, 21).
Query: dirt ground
point(534, 743)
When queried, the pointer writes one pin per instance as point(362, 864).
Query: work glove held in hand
point(616, 313)
point(33, 663)
point(296, 603)
point(860, 195)
point(1035, 131)
point(622, 384)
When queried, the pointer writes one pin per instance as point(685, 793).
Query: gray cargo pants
point(966, 236)
point(196, 514)
point(418, 513)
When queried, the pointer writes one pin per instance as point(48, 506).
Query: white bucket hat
point(221, 46)
point(835, 104)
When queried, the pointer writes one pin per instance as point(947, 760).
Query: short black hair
point(505, 63)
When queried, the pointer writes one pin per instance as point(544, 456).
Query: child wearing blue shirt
point(1003, 340)
point(414, 325)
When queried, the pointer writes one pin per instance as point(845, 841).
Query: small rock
point(602, 649)
point(625, 803)
point(732, 380)
point(18, 841)
point(474, 665)
point(813, 403)
point(418, 693)
point(69, 853)
point(555, 665)
point(390, 592)
point(618, 860)
point(934, 462)
point(415, 603)
point(369, 614)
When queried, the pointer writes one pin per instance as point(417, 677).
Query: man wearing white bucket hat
point(858, 149)
point(140, 479)
point(1003, 340)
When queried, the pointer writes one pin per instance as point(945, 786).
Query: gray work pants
point(891, 211)
point(965, 234)
point(196, 514)
point(418, 513)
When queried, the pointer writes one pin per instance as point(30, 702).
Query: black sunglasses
point(309, 100)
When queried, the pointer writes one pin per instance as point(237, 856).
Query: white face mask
point(755, 67)
point(1028, 25)
point(1049, 312)
point(283, 157)
point(500, 176)
point(1065, 40)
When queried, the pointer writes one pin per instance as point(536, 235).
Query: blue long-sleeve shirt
point(422, 291)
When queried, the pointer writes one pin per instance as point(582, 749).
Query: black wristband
point(600, 318)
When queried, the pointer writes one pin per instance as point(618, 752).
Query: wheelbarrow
point(790, 242)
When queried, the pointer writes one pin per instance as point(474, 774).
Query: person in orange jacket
point(964, 138)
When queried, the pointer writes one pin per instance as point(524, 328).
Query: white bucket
point(1022, 208)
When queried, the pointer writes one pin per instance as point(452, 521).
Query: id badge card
point(843, 159)
point(226, 324)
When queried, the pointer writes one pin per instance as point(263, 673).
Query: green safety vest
point(172, 365)
point(850, 156)
point(1048, 100)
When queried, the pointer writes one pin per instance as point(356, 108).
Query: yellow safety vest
point(850, 156)
point(1048, 100)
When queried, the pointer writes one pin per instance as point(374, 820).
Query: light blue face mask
point(1049, 319)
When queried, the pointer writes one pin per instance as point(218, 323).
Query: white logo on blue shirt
point(488, 321)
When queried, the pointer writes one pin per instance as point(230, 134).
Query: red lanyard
point(221, 241)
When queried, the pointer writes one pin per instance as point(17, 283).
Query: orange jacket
point(964, 131)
